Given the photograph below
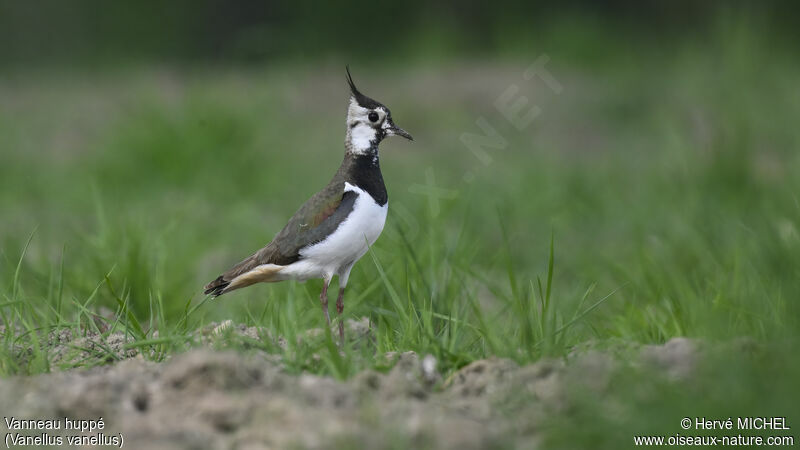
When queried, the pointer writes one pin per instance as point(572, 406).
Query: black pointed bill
point(394, 130)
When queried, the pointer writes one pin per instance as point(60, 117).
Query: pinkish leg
point(340, 310)
point(323, 298)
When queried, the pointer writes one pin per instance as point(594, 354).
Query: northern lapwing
point(336, 226)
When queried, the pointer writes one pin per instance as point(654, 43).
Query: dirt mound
point(222, 399)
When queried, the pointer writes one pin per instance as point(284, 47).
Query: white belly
point(351, 240)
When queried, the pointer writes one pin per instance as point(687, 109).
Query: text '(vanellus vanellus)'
point(336, 226)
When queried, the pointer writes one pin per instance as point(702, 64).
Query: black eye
point(373, 116)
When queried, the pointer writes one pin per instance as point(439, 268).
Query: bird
point(333, 229)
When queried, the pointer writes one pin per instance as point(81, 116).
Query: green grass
point(648, 201)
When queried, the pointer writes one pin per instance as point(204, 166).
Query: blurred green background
point(167, 141)
point(161, 142)
point(211, 32)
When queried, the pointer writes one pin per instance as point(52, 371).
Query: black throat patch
point(364, 171)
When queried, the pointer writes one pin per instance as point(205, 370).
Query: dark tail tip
point(216, 287)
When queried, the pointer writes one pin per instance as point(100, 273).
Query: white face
point(363, 125)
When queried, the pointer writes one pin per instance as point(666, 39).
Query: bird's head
point(368, 122)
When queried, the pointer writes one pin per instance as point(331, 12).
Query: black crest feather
point(353, 88)
point(362, 99)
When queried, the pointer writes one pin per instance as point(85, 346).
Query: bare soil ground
point(221, 399)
